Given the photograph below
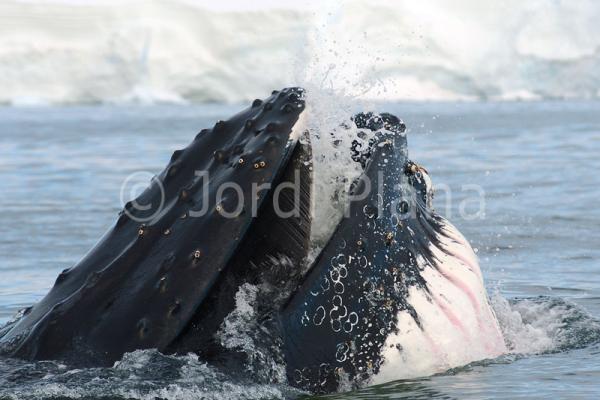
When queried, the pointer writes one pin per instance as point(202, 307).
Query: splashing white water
point(543, 324)
point(528, 328)
point(331, 78)
point(233, 333)
point(331, 135)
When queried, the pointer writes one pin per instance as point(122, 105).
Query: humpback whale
point(395, 291)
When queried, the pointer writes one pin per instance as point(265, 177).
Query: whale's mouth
point(255, 213)
point(328, 228)
point(281, 249)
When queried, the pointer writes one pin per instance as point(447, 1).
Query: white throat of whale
point(455, 323)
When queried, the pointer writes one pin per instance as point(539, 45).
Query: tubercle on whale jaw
point(225, 153)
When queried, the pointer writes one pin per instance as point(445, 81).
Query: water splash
point(139, 375)
point(541, 325)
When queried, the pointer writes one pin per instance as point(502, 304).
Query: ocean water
point(519, 179)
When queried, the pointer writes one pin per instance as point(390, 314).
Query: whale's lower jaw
point(457, 324)
point(397, 291)
point(446, 321)
point(439, 319)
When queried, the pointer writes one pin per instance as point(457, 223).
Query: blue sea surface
point(521, 180)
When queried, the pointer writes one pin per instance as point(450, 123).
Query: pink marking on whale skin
point(464, 260)
point(493, 339)
point(454, 320)
point(459, 240)
point(467, 290)
point(462, 286)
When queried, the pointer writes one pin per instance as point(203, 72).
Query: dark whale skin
point(144, 281)
point(258, 261)
point(335, 325)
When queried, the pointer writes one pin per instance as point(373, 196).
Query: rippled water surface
point(535, 164)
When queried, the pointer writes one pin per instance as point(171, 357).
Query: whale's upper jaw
point(145, 279)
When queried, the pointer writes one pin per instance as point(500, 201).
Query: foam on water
point(544, 324)
point(59, 52)
point(140, 375)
